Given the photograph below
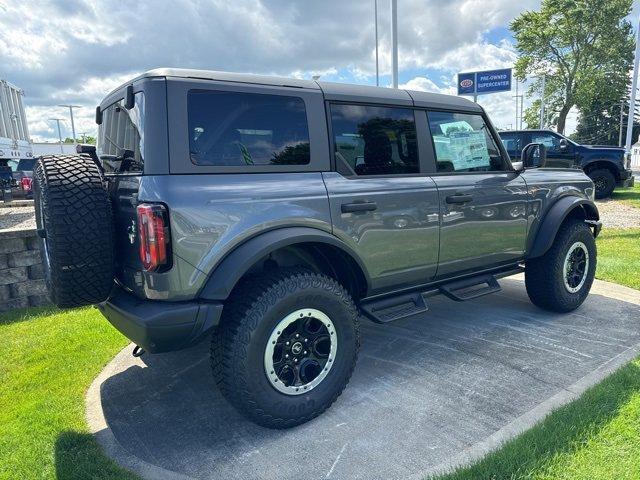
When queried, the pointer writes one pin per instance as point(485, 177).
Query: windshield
point(120, 144)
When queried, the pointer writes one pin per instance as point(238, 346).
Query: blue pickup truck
point(605, 165)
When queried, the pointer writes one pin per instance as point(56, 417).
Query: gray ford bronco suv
point(269, 215)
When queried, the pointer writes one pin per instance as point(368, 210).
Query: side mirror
point(534, 155)
point(564, 145)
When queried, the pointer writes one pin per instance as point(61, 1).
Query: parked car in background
point(16, 152)
point(605, 165)
point(22, 172)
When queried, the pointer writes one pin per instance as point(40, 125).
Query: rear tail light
point(26, 183)
point(153, 230)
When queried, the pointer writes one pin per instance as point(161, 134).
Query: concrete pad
point(428, 393)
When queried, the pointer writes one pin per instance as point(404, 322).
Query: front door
point(557, 157)
point(483, 202)
point(382, 205)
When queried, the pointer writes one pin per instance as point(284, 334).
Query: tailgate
point(123, 190)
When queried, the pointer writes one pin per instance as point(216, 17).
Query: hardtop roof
point(331, 90)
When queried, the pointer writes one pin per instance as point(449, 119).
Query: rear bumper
point(160, 326)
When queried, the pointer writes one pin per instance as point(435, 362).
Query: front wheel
point(560, 280)
point(286, 347)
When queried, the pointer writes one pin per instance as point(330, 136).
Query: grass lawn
point(619, 256)
point(47, 361)
point(630, 196)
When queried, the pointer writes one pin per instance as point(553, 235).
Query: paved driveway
point(427, 392)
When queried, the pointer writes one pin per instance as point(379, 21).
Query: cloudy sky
point(76, 51)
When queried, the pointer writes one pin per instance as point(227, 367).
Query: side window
point(463, 143)
point(121, 137)
point(512, 143)
point(375, 140)
point(548, 140)
point(246, 129)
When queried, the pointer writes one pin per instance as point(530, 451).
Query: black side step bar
point(394, 308)
point(462, 290)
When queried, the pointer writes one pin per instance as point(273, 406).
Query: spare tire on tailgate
point(73, 215)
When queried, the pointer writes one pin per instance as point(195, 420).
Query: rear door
point(382, 203)
point(482, 200)
point(120, 151)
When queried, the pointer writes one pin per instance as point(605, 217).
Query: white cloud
point(423, 84)
point(75, 51)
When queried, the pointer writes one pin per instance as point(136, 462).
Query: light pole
point(73, 127)
point(518, 101)
point(57, 120)
point(632, 100)
point(544, 84)
point(394, 43)
point(375, 9)
point(621, 123)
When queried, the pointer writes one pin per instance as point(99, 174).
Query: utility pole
point(57, 120)
point(517, 97)
point(621, 123)
point(542, 99)
point(375, 8)
point(521, 110)
point(73, 127)
point(632, 100)
point(394, 43)
point(84, 136)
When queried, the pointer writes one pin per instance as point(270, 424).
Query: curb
point(104, 435)
point(97, 424)
point(529, 419)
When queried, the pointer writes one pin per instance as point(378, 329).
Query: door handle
point(459, 198)
point(358, 207)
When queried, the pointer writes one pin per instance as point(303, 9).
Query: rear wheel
point(286, 347)
point(560, 280)
point(73, 217)
point(604, 182)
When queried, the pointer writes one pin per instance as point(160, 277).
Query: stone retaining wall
point(21, 272)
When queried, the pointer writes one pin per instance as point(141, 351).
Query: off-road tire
point(249, 317)
point(604, 182)
point(544, 277)
point(73, 214)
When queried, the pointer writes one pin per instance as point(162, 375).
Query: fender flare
point(555, 216)
point(610, 162)
point(235, 264)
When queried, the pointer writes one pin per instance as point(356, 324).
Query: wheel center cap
point(296, 348)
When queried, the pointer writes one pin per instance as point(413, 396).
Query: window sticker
point(468, 150)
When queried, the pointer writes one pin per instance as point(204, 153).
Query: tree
point(584, 49)
point(85, 139)
point(599, 122)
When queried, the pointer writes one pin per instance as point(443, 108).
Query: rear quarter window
point(240, 129)
point(120, 145)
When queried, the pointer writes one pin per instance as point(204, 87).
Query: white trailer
point(14, 134)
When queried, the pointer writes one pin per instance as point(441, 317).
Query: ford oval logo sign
point(466, 83)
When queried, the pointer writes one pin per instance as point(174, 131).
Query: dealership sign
point(490, 81)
